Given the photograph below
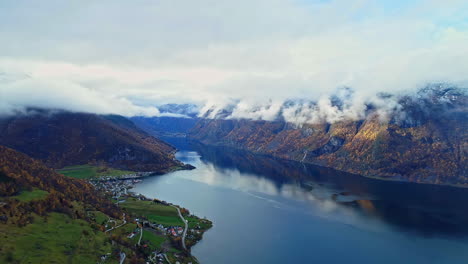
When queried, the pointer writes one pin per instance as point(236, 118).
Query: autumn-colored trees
point(62, 138)
point(425, 140)
point(19, 172)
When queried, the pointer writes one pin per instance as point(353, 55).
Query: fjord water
point(273, 211)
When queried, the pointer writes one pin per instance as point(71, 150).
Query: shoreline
point(142, 175)
point(382, 178)
point(120, 193)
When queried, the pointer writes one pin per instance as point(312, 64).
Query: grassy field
point(59, 239)
point(195, 222)
point(27, 196)
point(90, 171)
point(161, 214)
point(125, 230)
point(99, 217)
point(155, 241)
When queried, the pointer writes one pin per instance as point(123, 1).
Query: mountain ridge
point(425, 141)
point(61, 138)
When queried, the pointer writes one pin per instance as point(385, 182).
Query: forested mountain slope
point(426, 141)
point(61, 138)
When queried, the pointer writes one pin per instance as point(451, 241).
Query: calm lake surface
point(273, 211)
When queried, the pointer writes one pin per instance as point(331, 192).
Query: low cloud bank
point(343, 105)
point(230, 58)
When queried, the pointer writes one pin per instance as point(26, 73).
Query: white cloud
point(64, 94)
point(126, 57)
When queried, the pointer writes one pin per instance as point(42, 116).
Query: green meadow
point(91, 171)
point(55, 239)
point(161, 214)
point(27, 196)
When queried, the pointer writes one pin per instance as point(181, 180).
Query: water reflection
point(426, 210)
point(274, 211)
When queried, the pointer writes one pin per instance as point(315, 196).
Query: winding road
point(186, 226)
point(124, 222)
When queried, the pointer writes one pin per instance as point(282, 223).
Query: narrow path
point(141, 233)
point(153, 258)
point(124, 222)
point(186, 226)
point(122, 257)
point(305, 156)
point(165, 256)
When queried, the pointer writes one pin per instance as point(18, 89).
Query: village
point(177, 235)
point(117, 188)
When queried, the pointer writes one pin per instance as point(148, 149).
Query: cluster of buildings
point(118, 185)
point(132, 176)
point(160, 258)
point(117, 188)
point(134, 233)
point(170, 230)
point(175, 231)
